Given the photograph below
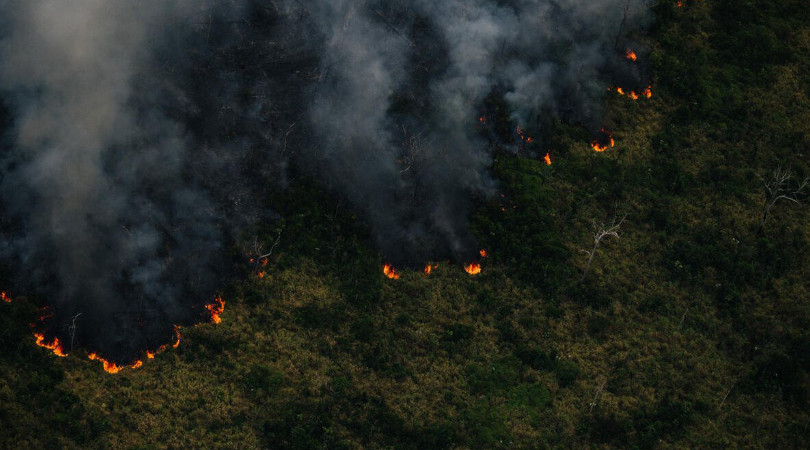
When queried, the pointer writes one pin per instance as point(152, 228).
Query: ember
point(4, 297)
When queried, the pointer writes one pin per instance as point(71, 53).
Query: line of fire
point(523, 143)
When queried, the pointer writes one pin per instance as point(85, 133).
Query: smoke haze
point(136, 136)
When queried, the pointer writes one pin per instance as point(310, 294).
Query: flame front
point(109, 367)
point(390, 272)
point(150, 355)
point(137, 364)
point(473, 268)
point(55, 346)
point(216, 309)
point(547, 159)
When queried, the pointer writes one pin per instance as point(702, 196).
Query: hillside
point(691, 329)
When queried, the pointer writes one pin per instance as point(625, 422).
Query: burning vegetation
point(430, 268)
point(215, 309)
point(603, 141)
point(4, 297)
point(473, 268)
point(390, 272)
point(646, 93)
point(54, 346)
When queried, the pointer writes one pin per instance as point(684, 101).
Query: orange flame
point(646, 93)
point(547, 159)
point(5, 297)
point(473, 268)
point(216, 309)
point(631, 55)
point(177, 333)
point(523, 136)
point(390, 272)
point(55, 346)
point(261, 274)
point(599, 147)
point(137, 364)
point(483, 253)
point(150, 355)
point(109, 367)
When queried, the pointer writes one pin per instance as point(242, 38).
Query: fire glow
point(55, 346)
point(605, 142)
point(631, 55)
point(4, 297)
point(473, 268)
point(216, 309)
point(176, 333)
point(547, 159)
point(525, 138)
point(429, 268)
point(108, 366)
point(390, 272)
point(646, 93)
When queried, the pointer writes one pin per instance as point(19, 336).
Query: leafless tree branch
point(781, 187)
point(601, 231)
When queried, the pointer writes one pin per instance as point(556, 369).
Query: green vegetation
point(691, 330)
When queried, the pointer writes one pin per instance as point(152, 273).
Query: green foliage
point(691, 330)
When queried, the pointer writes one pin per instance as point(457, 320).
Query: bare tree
point(596, 397)
point(72, 329)
point(258, 249)
point(601, 232)
point(781, 187)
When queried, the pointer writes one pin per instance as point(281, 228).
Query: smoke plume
point(136, 136)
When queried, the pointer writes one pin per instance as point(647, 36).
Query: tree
point(601, 232)
point(781, 187)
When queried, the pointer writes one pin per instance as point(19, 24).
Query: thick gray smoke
point(108, 193)
point(134, 134)
point(404, 83)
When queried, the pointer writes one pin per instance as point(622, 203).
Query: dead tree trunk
point(601, 232)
